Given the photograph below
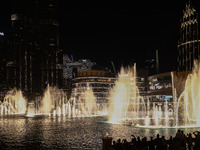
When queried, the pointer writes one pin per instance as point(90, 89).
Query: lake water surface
point(68, 133)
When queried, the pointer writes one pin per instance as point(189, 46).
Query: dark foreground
point(180, 141)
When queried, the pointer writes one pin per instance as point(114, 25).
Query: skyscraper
point(188, 43)
point(35, 44)
point(2, 60)
point(152, 63)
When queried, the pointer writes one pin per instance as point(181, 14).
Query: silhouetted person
point(144, 143)
point(125, 145)
point(176, 144)
point(178, 134)
point(119, 145)
point(133, 138)
point(170, 142)
point(133, 143)
point(138, 143)
point(189, 140)
point(158, 143)
point(114, 145)
point(164, 143)
point(197, 140)
point(151, 144)
point(183, 140)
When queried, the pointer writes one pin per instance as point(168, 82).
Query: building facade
point(100, 81)
point(71, 69)
point(152, 63)
point(3, 58)
point(35, 45)
point(141, 81)
point(160, 87)
point(188, 42)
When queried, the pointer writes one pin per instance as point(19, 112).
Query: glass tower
point(35, 44)
point(188, 43)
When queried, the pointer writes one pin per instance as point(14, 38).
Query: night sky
point(123, 35)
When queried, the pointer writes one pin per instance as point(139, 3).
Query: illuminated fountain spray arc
point(88, 102)
point(119, 98)
point(55, 103)
point(13, 103)
point(125, 102)
point(127, 106)
point(84, 104)
point(47, 104)
point(188, 108)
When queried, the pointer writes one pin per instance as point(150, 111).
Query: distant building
point(141, 81)
point(3, 54)
point(71, 69)
point(152, 63)
point(188, 42)
point(100, 81)
point(34, 39)
point(160, 87)
point(179, 81)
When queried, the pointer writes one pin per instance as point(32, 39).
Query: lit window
point(1, 34)
point(16, 17)
point(51, 44)
point(155, 79)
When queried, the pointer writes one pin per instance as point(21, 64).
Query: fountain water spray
point(54, 103)
point(125, 100)
point(127, 105)
point(188, 108)
point(13, 103)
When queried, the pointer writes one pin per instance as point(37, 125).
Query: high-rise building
point(2, 61)
point(152, 63)
point(188, 43)
point(35, 44)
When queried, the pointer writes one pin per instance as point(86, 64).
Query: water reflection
point(68, 133)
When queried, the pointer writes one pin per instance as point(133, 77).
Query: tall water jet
point(189, 101)
point(124, 98)
point(88, 102)
point(127, 106)
point(13, 103)
point(47, 102)
point(53, 101)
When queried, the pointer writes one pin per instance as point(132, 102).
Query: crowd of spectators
point(179, 142)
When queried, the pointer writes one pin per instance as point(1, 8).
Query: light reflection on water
point(66, 133)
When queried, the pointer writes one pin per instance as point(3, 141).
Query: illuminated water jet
point(54, 103)
point(13, 103)
point(126, 104)
point(188, 108)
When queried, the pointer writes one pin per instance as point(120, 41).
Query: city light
point(1, 34)
point(61, 86)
